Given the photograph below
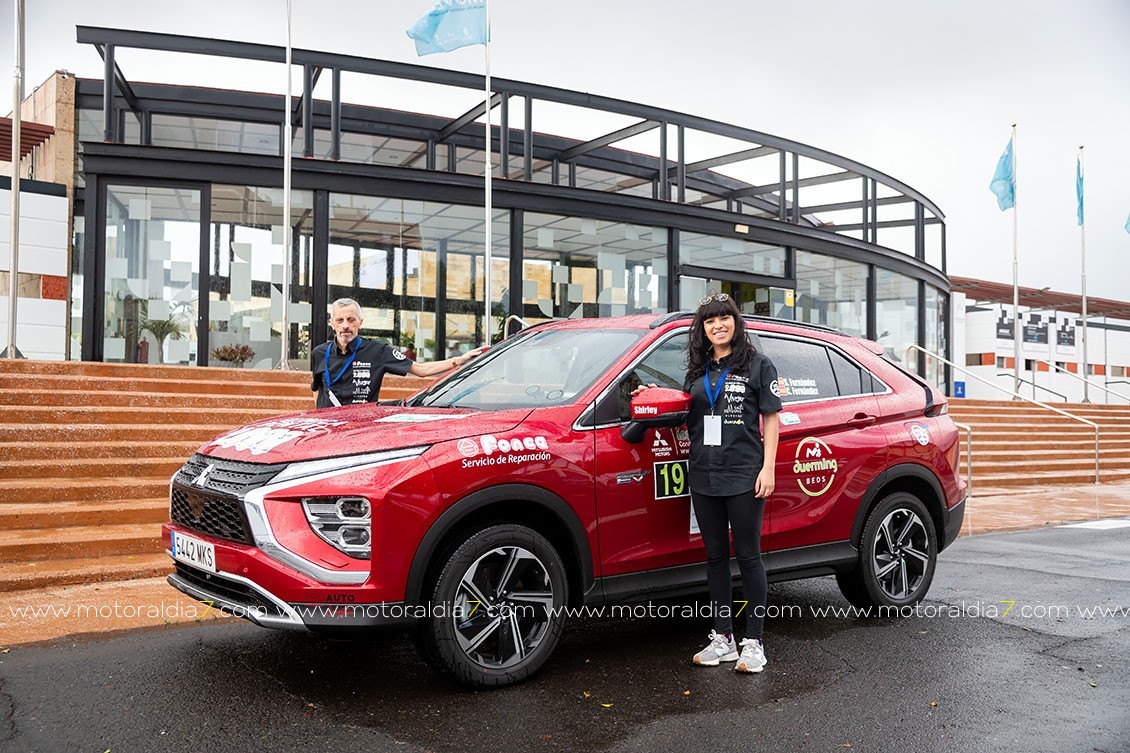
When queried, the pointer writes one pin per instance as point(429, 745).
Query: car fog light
point(342, 522)
point(355, 536)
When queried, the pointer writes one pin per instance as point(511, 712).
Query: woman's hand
point(641, 388)
point(766, 483)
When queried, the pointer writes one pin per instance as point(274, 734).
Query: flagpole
point(489, 170)
point(288, 148)
point(14, 232)
point(1015, 278)
point(1083, 262)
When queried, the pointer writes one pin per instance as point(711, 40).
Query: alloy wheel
point(901, 553)
point(501, 610)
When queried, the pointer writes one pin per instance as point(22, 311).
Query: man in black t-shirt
point(349, 369)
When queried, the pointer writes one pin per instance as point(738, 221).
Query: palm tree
point(162, 329)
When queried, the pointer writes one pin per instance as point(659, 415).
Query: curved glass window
point(896, 317)
point(831, 291)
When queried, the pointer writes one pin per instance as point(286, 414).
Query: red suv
point(485, 507)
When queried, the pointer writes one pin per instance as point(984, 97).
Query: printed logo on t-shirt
point(398, 355)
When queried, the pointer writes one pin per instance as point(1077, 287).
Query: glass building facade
point(387, 208)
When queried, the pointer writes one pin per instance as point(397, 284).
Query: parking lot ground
point(54, 613)
point(1020, 645)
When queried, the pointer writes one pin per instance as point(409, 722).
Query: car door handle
point(861, 420)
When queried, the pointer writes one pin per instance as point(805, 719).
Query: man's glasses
point(720, 297)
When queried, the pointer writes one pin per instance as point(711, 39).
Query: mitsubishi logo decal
point(202, 479)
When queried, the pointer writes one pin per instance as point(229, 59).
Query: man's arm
point(444, 366)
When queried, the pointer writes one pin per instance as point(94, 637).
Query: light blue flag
point(1127, 225)
point(1003, 183)
point(1079, 189)
point(449, 25)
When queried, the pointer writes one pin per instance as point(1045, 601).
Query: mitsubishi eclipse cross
point(478, 511)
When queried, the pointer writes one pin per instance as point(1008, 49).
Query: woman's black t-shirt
point(731, 467)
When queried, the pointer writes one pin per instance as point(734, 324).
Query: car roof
point(683, 318)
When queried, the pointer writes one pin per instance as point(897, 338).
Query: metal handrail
point(1018, 396)
point(968, 469)
point(506, 324)
point(1059, 368)
point(1035, 386)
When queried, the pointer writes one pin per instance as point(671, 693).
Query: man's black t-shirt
point(360, 381)
point(732, 467)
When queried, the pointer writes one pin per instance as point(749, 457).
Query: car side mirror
point(656, 408)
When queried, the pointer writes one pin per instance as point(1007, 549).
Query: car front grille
point(214, 515)
point(231, 478)
point(207, 495)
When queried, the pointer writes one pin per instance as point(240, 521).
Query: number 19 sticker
point(671, 479)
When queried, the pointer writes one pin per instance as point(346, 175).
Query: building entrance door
point(152, 278)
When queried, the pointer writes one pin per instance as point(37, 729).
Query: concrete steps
point(150, 448)
point(79, 542)
point(31, 574)
point(31, 515)
point(103, 488)
point(79, 398)
point(87, 449)
point(80, 468)
point(1018, 445)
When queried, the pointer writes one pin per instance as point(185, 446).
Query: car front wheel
point(497, 608)
point(898, 552)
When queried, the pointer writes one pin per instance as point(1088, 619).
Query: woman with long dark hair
point(731, 469)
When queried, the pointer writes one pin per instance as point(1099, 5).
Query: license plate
point(194, 551)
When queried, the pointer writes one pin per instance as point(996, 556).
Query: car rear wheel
point(497, 608)
point(898, 552)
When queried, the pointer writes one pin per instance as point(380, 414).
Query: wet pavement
point(151, 602)
point(959, 673)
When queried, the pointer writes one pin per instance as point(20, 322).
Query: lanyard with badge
point(712, 424)
point(349, 362)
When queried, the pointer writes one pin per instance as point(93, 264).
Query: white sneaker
point(721, 648)
point(752, 658)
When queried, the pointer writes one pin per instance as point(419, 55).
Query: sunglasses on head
point(720, 297)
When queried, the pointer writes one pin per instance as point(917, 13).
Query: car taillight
point(342, 522)
point(941, 409)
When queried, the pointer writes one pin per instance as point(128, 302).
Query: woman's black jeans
point(743, 513)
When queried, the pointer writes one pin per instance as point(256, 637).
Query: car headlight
point(342, 522)
point(330, 466)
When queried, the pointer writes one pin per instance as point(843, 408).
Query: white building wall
point(41, 325)
point(1108, 345)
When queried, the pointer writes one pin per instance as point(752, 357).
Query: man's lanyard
point(712, 395)
point(349, 362)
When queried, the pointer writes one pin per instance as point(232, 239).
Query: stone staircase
point(87, 449)
point(1016, 444)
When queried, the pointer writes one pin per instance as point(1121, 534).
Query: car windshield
point(544, 367)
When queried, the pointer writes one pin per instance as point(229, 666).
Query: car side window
point(664, 366)
point(853, 379)
point(804, 370)
point(849, 377)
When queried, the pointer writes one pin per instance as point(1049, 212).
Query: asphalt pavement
point(1010, 651)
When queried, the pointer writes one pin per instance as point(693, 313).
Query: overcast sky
point(923, 92)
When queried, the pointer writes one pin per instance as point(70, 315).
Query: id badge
point(712, 431)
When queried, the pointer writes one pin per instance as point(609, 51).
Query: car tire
point(497, 608)
point(898, 552)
